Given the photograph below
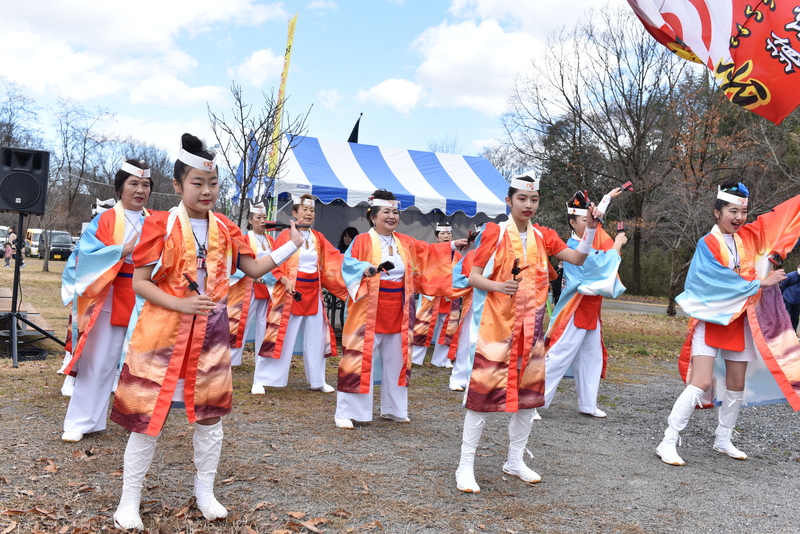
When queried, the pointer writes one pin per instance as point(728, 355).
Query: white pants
point(581, 349)
point(439, 358)
point(274, 372)
point(256, 313)
point(461, 367)
point(394, 398)
point(88, 406)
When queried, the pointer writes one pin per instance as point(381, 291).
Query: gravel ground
point(286, 468)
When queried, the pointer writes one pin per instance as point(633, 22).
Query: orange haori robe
point(240, 293)
point(99, 265)
point(508, 368)
point(329, 269)
point(427, 271)
point(718, 295)
point(427, 314)
point(163, 342)
point(463, 292)
point(587, 284)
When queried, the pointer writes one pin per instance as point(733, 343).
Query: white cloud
point(322, 5)
point(330, 99)
point(472, 65)
point(166, 135)
point(258, 68)
point(400, 94)
point(168, 90)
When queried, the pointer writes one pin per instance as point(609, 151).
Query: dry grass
point(286, 468)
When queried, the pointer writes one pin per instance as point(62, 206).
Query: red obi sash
point(588, 312)
point(726, 337)
point(123, 298)
point(307, 284)
point(261, 291)
point(445, 305)
point(390, 308)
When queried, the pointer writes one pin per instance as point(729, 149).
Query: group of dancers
point(204, 285)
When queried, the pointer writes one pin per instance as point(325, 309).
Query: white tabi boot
point(69, 386)
point(465, 474)
point(138, 455)
point(728, 414)
point(207, 442)
point(677, 421)
point(519, 428)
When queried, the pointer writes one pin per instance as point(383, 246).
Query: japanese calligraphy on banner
point(753, 47)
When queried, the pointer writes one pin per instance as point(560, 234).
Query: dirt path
point(283, 455)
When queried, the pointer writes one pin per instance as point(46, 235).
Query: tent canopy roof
point(351, 172)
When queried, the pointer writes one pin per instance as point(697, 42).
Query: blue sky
point(420, 70)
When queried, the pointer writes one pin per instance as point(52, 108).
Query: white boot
point(138, 455)
point(678, 419)
point(69, 386)
point(465, 474)
point(519, 428)
point(207, 442)
point(728, 414)
point(116, 380)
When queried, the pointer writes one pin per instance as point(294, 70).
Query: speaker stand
point(15, 315)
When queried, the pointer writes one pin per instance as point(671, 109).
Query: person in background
point(100, 290)
point(348, 234)
point(790, 288)
point(248, 300)
point(437, 317)
point(7, 252)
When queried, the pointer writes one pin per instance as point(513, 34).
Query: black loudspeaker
point(23, 180)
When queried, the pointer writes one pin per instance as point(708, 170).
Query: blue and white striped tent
point(351, 172)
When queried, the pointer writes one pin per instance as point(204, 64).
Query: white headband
point(302, 201)
point(134, 170)
point(382, 202)
point(444, 228)
point(258, 209)
point(576, 211)
point(733, 199)
point(196, 161)
point(516, 183)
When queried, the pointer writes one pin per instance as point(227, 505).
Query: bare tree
point(18, 118)
point(603, 91)
point(245, 141)
point(445, 145)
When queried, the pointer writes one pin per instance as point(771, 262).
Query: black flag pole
point(354, 134)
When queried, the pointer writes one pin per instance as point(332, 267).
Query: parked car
point(32, 242)
point(60, 245)
point(3, 239)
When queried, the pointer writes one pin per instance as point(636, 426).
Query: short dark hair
point(733, 188)
point(192, 145)
point(122, 176)
point(349, 231)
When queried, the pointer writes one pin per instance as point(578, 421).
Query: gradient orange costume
point(427, 271)
point(329, 269)
point(166, 345)
point(508, 368)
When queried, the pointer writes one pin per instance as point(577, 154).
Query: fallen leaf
point(84, 489)
point(29, 493)
point(117, 473)
point(10, 527)
point(249, 530)
point(281, 531)
point(228, 480)
point(263, 504)
point(294, 527)
point(297, 515)
point(318, 521)
point(64, 529)
point(182, 512)
point(341, 513)
point(311, 526)
point(51, 467)
point(274, 446)
point(13, 512)
point(371, 526)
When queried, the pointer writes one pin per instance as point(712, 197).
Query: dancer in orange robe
point(737, 313)
point(179, 348)
point(379, 308)
point(510, 276)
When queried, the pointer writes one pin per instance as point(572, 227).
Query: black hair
point(349, 231)
point(192, 145)
point(737, 189)
point(379, 194)
point(579, 201)
point(122, 176)
point(512, 191)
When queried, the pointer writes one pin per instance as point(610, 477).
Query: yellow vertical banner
point(276, 129)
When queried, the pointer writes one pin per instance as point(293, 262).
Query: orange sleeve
point(552, 242)
point(487, 245)
point(151, 243)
